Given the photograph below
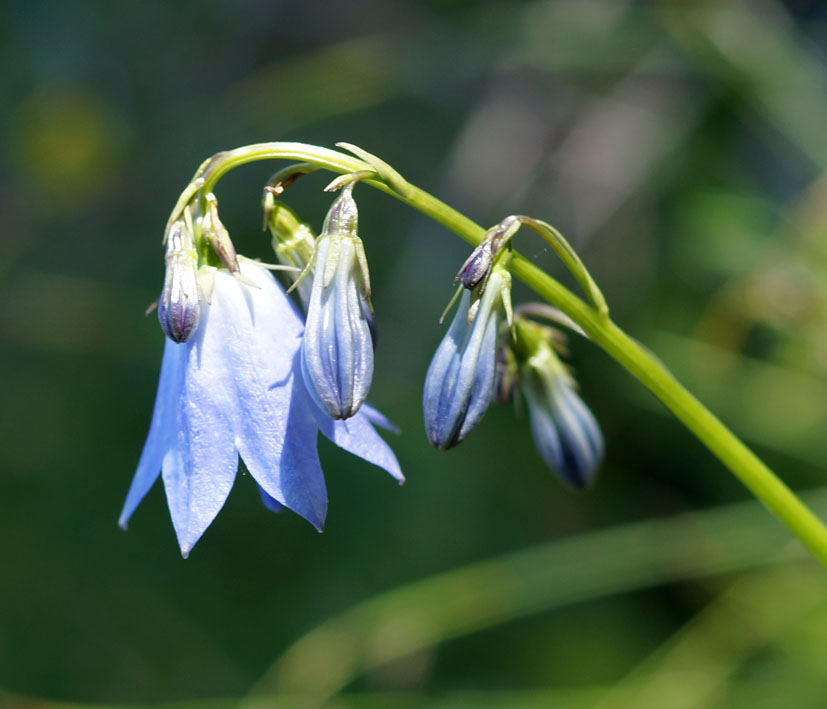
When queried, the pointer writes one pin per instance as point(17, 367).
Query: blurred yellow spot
point(66, 142)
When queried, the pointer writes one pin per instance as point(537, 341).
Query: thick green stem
point(643, 365)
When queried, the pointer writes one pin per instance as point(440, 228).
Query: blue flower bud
point(337, 348)
point(460, 380)
point(179, 307)
point(565, 431)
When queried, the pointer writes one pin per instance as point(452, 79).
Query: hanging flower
point(235, 388)
point(565, 432)
point(337, 350)
point(460, 379)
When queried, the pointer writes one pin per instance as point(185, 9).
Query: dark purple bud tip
point(178, 319)
point(179, 306)
point(476, 267)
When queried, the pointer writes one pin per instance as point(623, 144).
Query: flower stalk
point(592, 318)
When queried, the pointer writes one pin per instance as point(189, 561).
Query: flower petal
point(270, 503)
point(356, 435)
point(163, 421)
point(377, 418)
point(275, 432)
point(201, 463)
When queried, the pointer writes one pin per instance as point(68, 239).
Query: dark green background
point(680, 147)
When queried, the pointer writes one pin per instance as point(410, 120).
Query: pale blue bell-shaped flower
point(234, 388)
point(565, 432)
point(460, 379)
point(337, 349)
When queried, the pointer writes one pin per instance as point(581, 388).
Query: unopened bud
point(460, 380)
point(179, 307)
point(476, 267)
point(337, 348)
point(565, 431)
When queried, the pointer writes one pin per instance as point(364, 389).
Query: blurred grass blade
point(695, 666)
point(765, 58)
point(750, 393)
point(592, 565)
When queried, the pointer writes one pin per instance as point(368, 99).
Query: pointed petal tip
point(123, 523)
point(186, 548)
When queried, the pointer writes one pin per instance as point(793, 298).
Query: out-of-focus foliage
point(680, 147)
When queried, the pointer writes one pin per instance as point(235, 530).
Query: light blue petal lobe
point(356, 435)
point(269, 502)
point(302, 481)
point(201, 464)
point(377, 418)
point(275, 433)
point(160, 429)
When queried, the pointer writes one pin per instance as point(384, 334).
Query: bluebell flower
point(234, 388)
point(460, 379)
point(337, 349)
point(565, 431)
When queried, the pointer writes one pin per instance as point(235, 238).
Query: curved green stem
point(643, 365)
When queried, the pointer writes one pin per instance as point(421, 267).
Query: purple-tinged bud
point(460, 380)
point(337, 348)
point(565, 431)
point(179, 307)
point(476, 267)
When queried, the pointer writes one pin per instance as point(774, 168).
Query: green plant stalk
point(639, 362)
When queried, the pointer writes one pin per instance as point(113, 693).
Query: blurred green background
point(681, 147)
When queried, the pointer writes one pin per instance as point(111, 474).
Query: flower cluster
point(479, 356)
point(232, 385)
point(246, 376)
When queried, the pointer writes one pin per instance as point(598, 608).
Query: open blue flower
point(235, 389)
